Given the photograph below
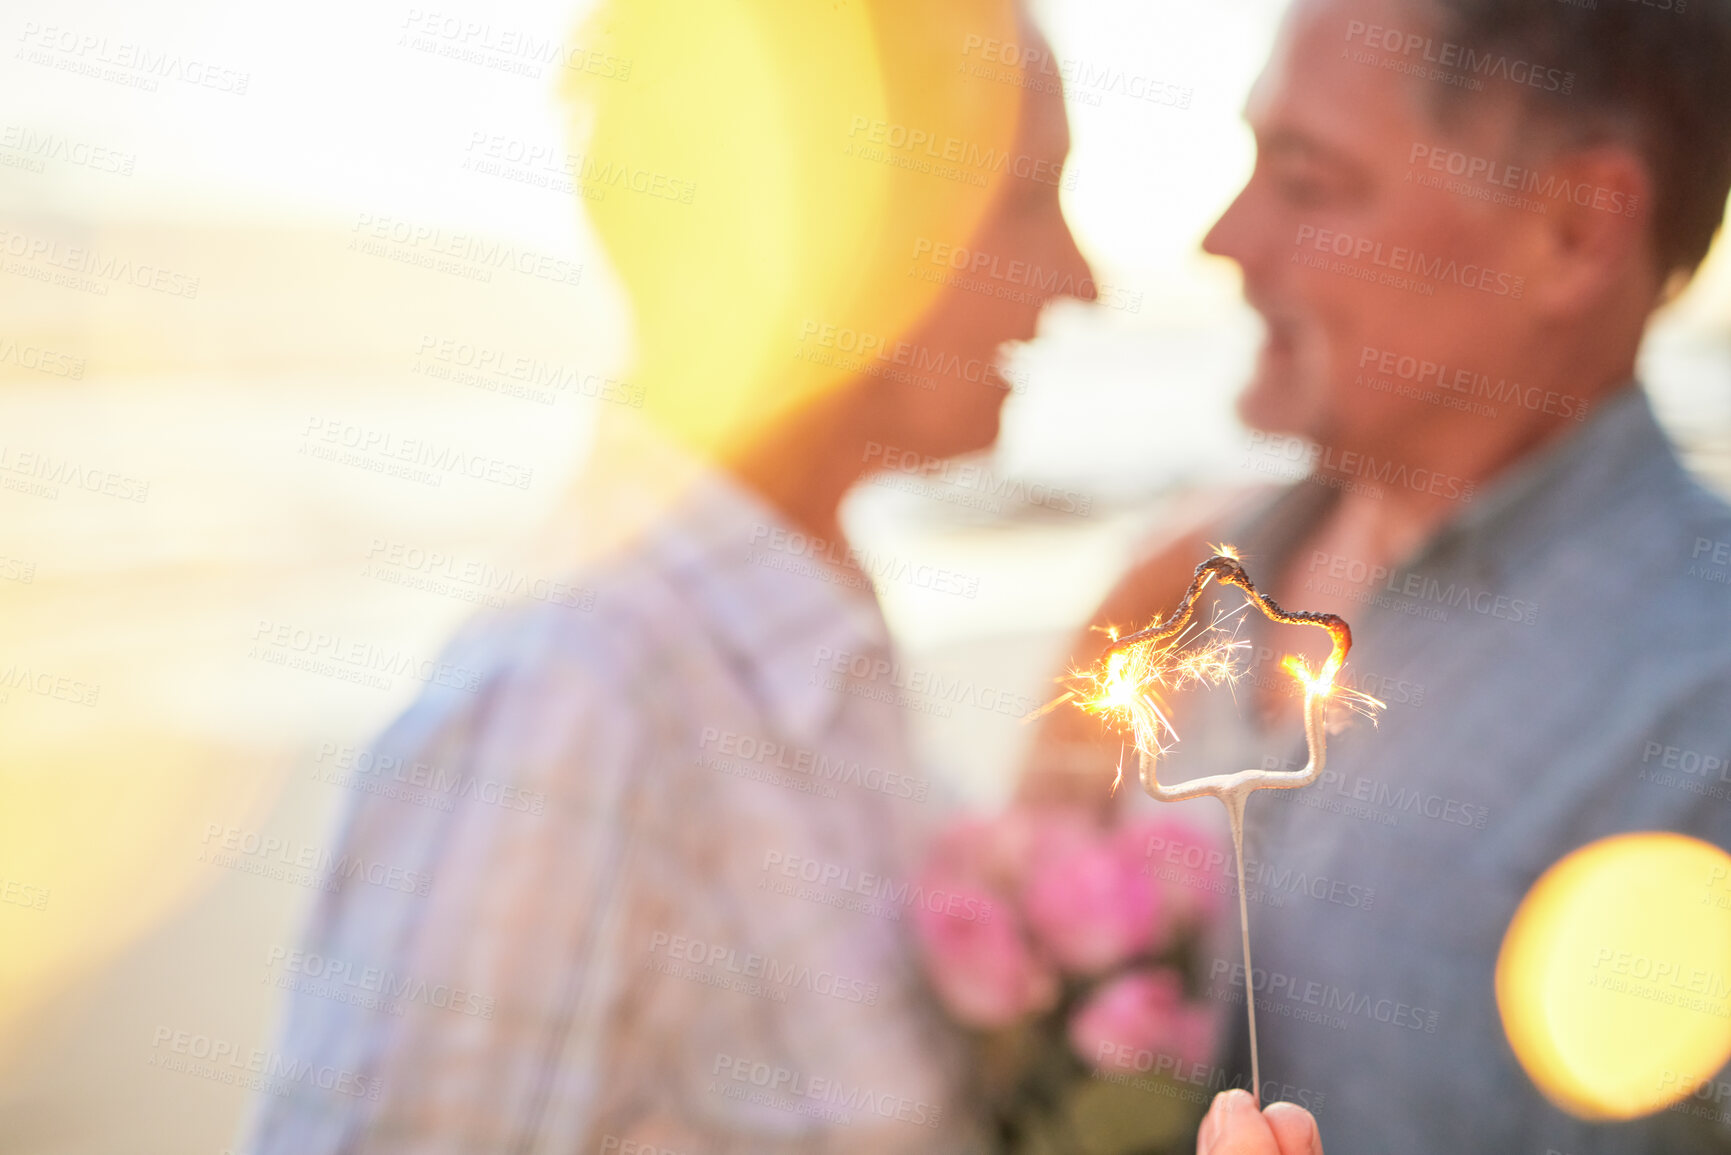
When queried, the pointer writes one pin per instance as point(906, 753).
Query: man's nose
point(1231, 236)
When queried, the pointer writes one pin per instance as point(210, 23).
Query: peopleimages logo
point(798, 1092)
point(1496, 175)
point(383, 450)
point(1382, 802)
point(497, 370)
point(370, 987)
point(1469, 383)
point(921, 149)
point(23, 894)
point(1336, 575)
point(1400, 259)
point(292, 861)
point(503, 47)
point(49, 473)
point(894, 463)
point(256, 1069)
point(1466, 63)
point(123, 62)
point(724, 750)
point(1016, 272)
point(1327, 461)
point(545, 165)
point(300, 647)
point(850, 566)
point(1179, 1078)
point(46, 684)
point(1188, 864)
point(845, 671)
point(832, 877)
point(367, 770)
point(1670, 981)
point(472, 580)
point(733, 963)
point(40, 359)
point(471, 256)
point(1265, 671)
point(870, 347)
point(36, 147)
point(92, 270)
point(1296, 997)
point(978, 271)
point(1081, 81)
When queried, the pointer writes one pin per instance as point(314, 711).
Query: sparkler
point(1177, 652)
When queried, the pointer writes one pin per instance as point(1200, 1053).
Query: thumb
point(1233, 1126)
point(1294, 1129)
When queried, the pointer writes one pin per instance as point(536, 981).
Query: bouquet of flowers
point(1077, 988)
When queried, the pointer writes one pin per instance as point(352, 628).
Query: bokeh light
point(1614, 980)
point(797, 145)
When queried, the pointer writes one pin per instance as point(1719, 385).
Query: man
point(1461, 217)
point(689, 937)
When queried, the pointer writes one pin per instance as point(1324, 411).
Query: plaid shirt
point(671, 902)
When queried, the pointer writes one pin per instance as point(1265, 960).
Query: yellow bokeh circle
point(1614, 980)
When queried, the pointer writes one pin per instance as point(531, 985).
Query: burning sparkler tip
point(1129, 683)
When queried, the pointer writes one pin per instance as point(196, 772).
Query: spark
point(1322, 685)
point(1129, 686)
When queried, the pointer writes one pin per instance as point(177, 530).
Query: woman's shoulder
point(584, 644)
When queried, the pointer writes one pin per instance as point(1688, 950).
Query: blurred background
point(218, 229)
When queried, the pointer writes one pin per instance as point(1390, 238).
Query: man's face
point(1021, 257)
point(1345, 242)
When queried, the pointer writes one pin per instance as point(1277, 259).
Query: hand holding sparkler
point(1177, 652)
point(1233, 1126)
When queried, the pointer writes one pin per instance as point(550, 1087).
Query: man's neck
point(1373, 527)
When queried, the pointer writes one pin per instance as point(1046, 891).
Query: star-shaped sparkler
point(1128, 684)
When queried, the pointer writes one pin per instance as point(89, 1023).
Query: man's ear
point(1596, 230)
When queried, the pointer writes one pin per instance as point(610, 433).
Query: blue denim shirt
point(1538, 656)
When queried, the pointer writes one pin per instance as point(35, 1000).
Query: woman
point(694, 941)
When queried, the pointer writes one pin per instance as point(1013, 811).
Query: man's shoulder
point(1679, 545)
point(1703, 519)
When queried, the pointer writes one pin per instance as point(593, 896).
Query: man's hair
point(1654, 75)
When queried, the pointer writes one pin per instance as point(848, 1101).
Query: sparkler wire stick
point(1234, 789)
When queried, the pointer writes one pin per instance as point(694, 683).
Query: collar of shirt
point(1548, 494)
point(782, 604)
point(1523, 510)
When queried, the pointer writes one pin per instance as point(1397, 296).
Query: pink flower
point(994, 852)
point(982, 967)
point(1140, 1022)
point(977, 951)
point(1090, 904)
point(1192, 870)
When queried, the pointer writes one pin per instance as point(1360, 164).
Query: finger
point(1234, 1126)
point(1294, 1129)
